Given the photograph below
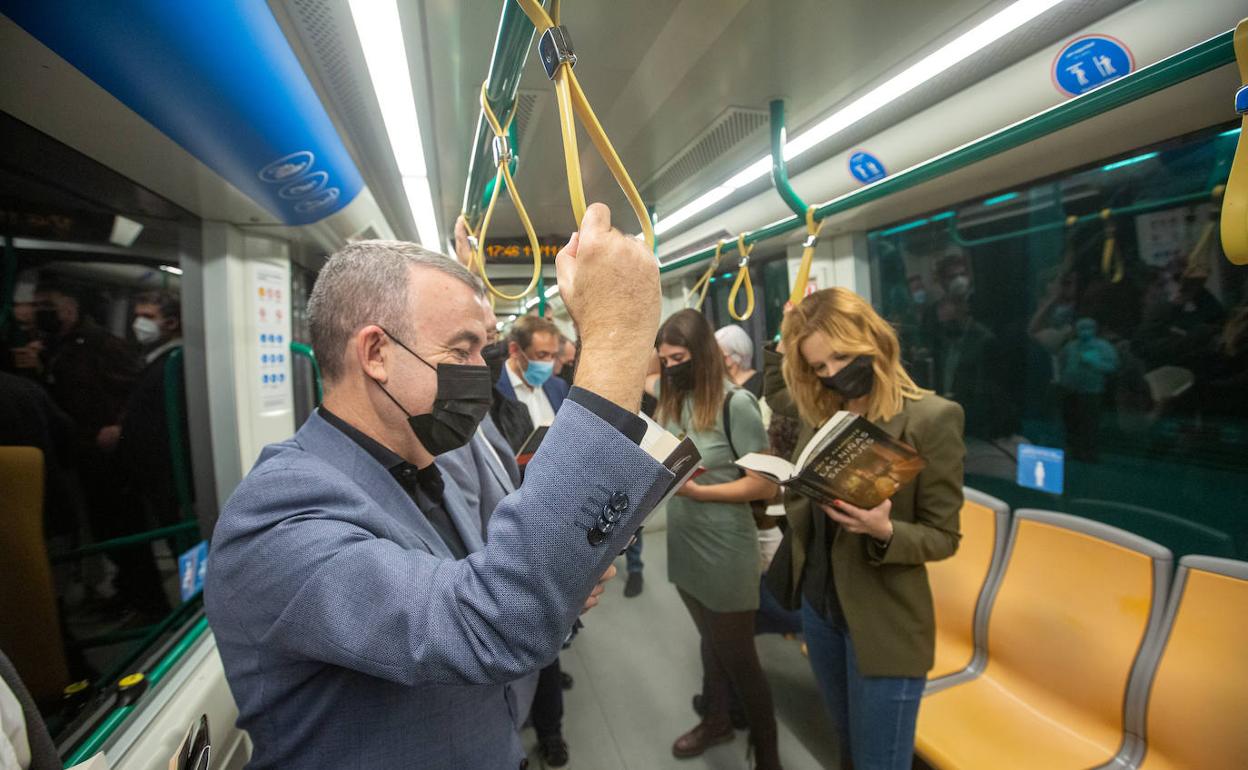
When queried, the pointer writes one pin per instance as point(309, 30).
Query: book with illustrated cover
point(849, 458)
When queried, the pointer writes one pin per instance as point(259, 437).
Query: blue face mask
point(538, 372)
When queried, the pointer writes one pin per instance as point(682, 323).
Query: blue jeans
point(874, 715)
point(633, 555)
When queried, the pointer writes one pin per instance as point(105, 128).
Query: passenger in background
point(858, 574)
point(565, 362)
point(144, 448)
point(713, 552)
point(528, 378)
point(22, 346)
point(738, 351)
point(1086, 362)
point(90, 374)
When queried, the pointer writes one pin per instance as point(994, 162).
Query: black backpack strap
point(728, 424)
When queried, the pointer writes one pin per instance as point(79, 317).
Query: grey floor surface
point(636, 668)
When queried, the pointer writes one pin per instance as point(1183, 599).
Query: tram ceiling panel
point(219, 79)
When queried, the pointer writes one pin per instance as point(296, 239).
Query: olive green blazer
point(884, 591)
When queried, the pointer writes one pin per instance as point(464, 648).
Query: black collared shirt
point(423, 485)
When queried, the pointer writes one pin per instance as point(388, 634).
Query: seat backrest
point(31, 631)
point(1075, 603)
point(958, 582)
point(1199, 686)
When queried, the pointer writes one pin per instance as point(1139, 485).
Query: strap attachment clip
point(502, 150)
point(555, 49)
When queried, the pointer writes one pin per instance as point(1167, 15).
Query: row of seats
point(1067, 643)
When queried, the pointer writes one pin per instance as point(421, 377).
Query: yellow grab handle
point(504, 176)
point(1235, 201)
point(1111, 257)
point(808, 256)
point(743, 276)
point(573, 104)
point(702, 284)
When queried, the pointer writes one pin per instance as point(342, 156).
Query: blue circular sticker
point(866, 167)
point(1090, 62)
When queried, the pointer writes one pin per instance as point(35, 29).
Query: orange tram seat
point(1076, 603)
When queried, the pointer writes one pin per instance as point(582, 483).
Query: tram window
point(1131, 358)
point(91, 378)
point(303, 376)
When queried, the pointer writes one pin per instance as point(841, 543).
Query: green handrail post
point(1217, 51)
point(541, 294)
point(177, 445)
point(125, 541)
point(779, 168)
point(511, 46)
point(300, 349)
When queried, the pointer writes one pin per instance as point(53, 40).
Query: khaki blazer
point(884, 591)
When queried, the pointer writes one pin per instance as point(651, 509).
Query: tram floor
point(636, 668)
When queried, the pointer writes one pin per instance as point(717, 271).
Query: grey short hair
point(364, 283)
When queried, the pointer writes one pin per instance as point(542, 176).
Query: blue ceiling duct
point(219, 78)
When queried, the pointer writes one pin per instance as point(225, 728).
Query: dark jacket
point(884, 593)
point(145, 452)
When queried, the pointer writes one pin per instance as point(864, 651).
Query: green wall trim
point(1215, 52)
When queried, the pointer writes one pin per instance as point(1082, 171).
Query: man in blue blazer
point(361, 620)
point(528, 376)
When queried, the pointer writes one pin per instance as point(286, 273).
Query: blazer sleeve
point(293, 570)
point(935, 531)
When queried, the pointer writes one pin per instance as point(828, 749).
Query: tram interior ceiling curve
point(1025, 217)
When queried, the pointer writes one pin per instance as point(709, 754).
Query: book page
point(821, 437)
point(657, 442)
point(778, 468)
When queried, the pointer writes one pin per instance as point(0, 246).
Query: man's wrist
point(618, 377)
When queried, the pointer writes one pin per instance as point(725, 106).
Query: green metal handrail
point(173, 419)
point(511, 46)
point(1136, 208)
point(1215, 52)
point(779, 167)
point(117, 716)
point(300, 349)
point(126, 540)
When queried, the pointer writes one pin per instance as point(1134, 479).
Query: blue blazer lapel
point(510, 478)
point(504, 385)
point(466, 521)
point(554, 392)
point(325, 441)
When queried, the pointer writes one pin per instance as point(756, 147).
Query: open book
point(679, 456)
point(849, 459)
point(529, 448)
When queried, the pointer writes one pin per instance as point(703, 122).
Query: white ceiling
point(658, 73)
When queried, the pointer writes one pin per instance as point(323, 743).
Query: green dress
point(712, 548)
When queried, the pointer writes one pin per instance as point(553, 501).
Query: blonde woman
point(859, 574)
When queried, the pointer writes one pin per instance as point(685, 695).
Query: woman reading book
point(857, 573)
point(712, 541)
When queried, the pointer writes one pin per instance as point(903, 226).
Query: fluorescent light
point(552, 291)
point(953, 52)
point(1007, 197)
point(1129, 161)
point(171, 269)
point(1231, 132)
point(942, 215)
point(381, 39)
point(125, 231)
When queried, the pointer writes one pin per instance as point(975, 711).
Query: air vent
point(733, 126)
point(324, 25)
point(526, 110)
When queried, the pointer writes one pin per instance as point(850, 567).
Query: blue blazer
point(352, 639)
point(555, 388)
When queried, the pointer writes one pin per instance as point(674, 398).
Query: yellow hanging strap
point(1235, 203)
point(502, 157)
point(699, 288)
point(555, 49)
point(808, 256)
point(743, 276)
point(1111, 255)
point(1200, 259)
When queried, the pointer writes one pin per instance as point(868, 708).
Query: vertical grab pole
point(779, 169)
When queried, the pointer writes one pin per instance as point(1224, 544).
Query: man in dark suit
point(361, 618)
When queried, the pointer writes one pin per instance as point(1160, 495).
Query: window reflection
point(1120, 336)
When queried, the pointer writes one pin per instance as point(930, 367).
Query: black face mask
point(854, 380)
point(495, 356)
point(47, 321)
point(461, 403)
point(680, 376)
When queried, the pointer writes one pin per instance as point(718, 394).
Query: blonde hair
point(853, 328)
